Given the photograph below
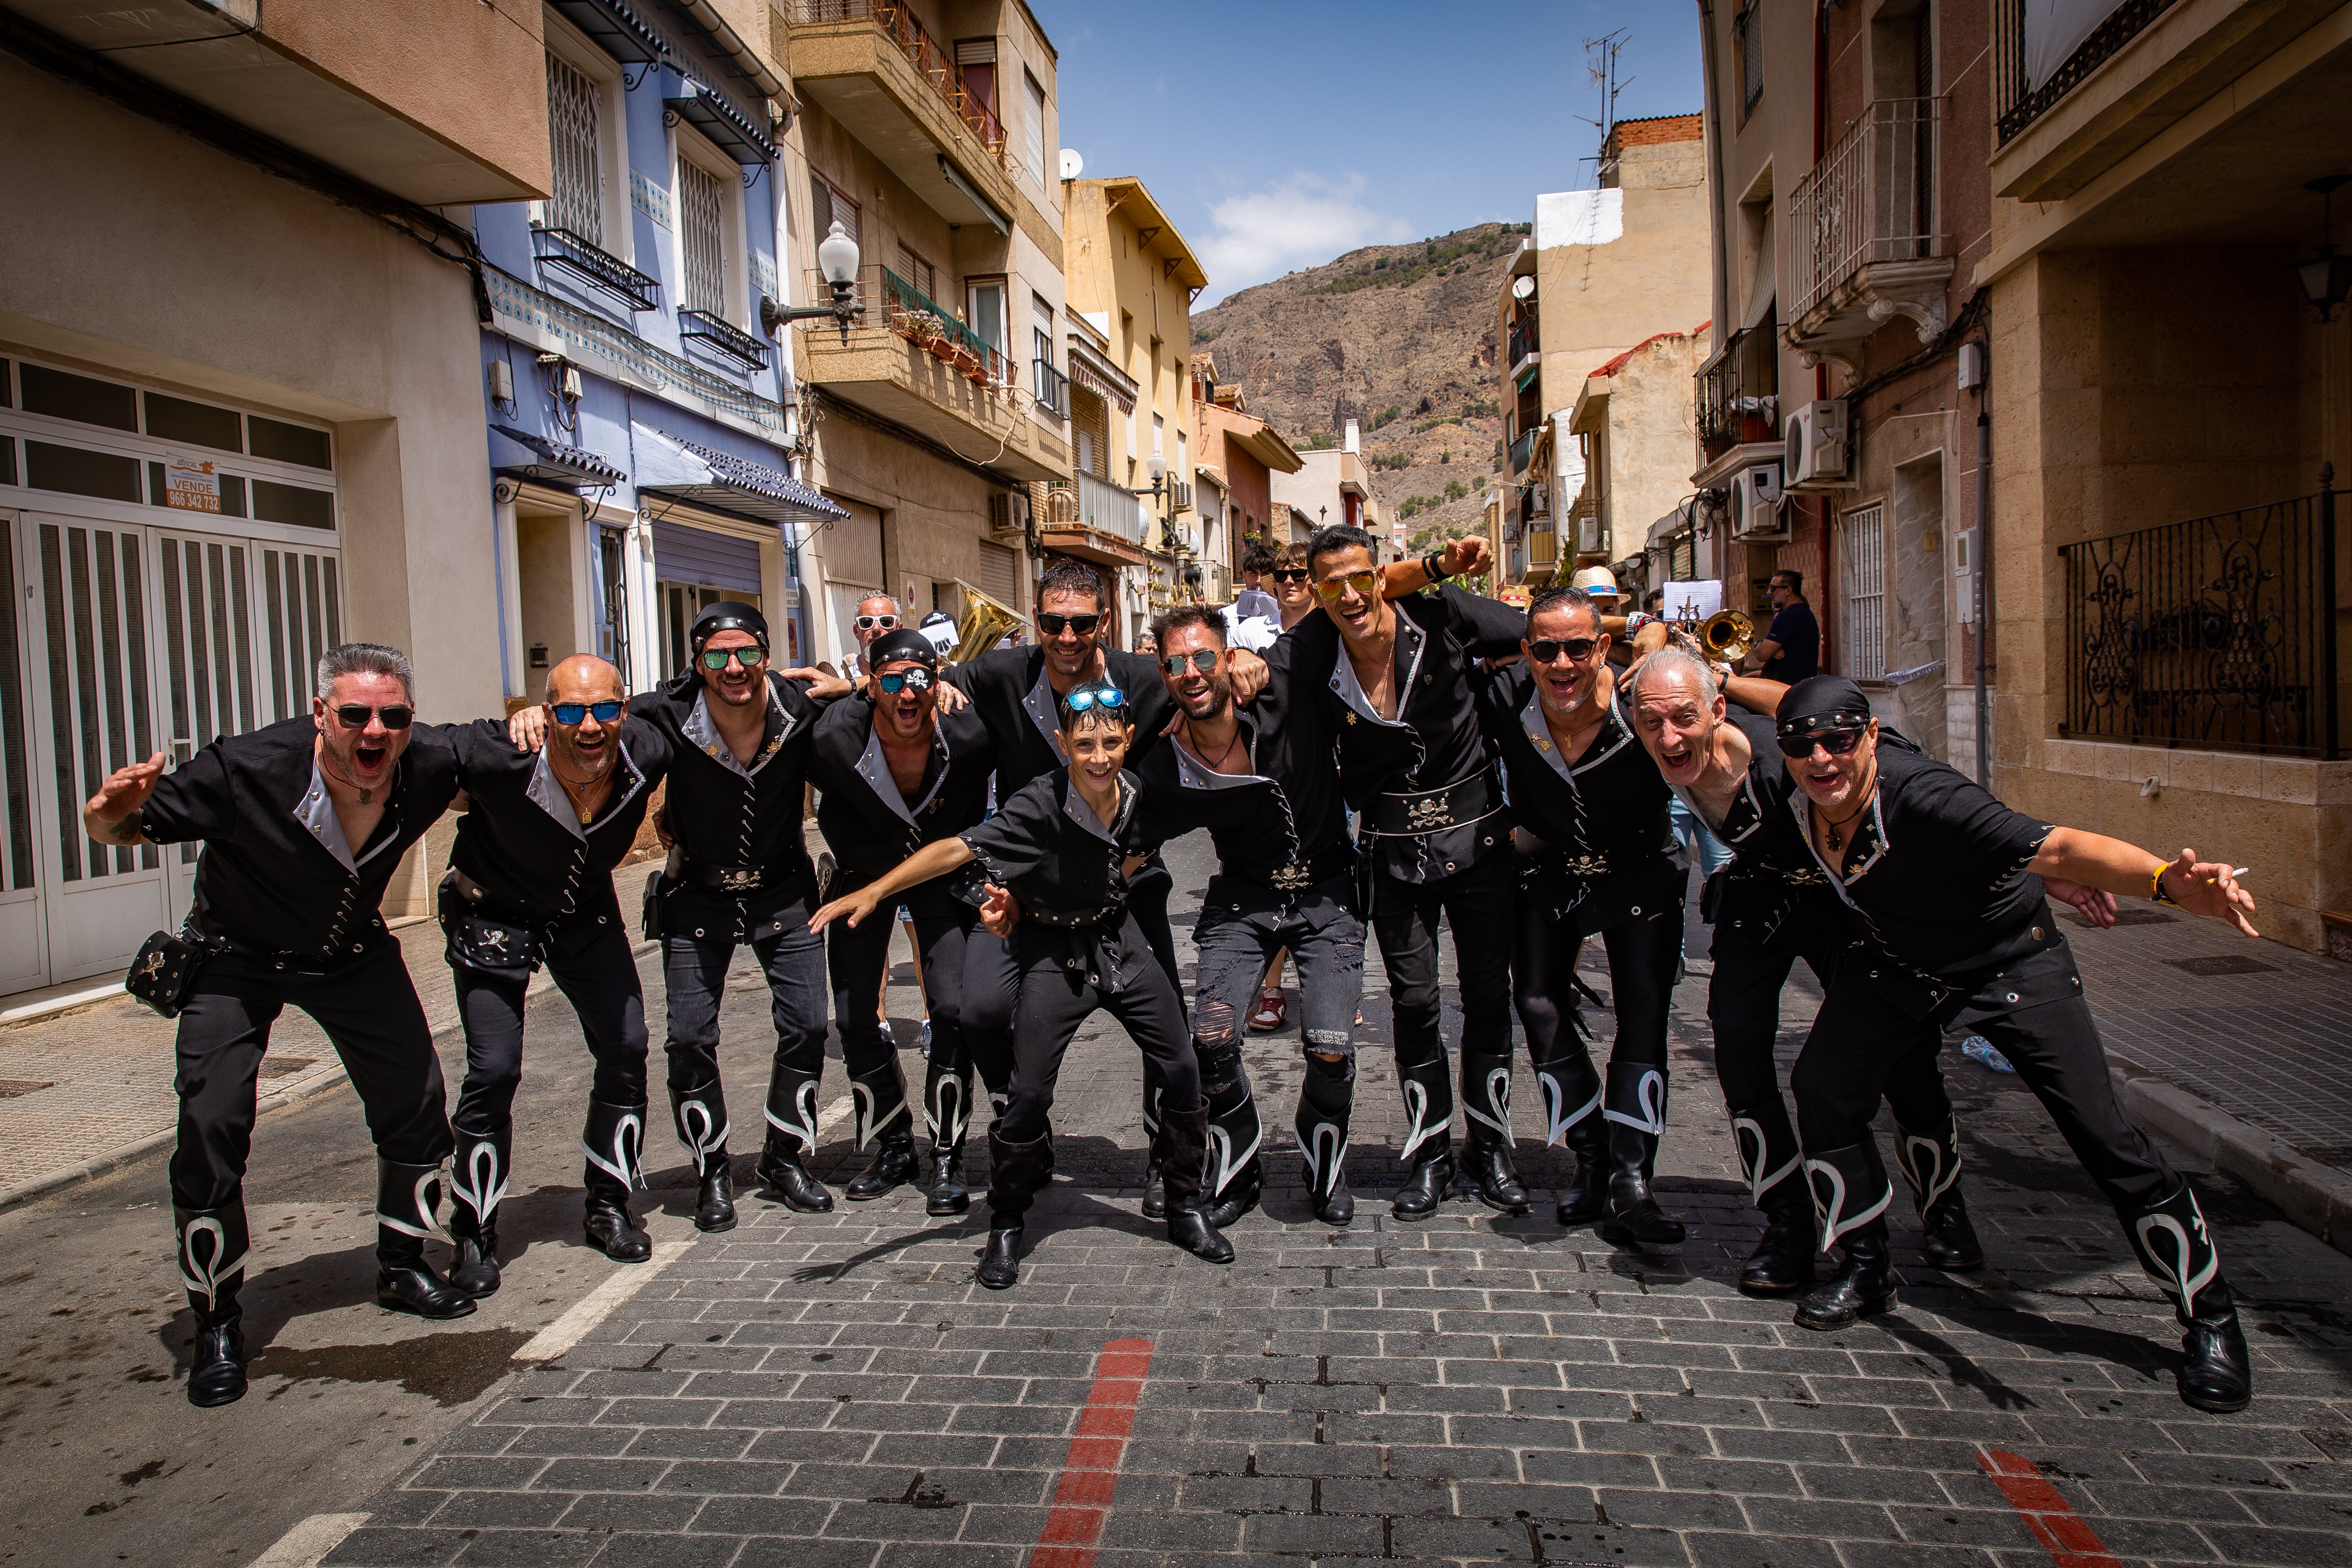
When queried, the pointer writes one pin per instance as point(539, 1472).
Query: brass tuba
point(982, 622)
point(1727, 636)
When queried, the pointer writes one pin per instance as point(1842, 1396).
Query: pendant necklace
point(1219, 766)
point(1836, 837)
point(580, 792)
point(367, 797)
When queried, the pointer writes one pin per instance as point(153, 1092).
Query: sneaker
point(889, 1039)
point(1269, 1013)
point(924, 1045)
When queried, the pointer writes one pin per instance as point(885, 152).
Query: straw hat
point(1599, 582)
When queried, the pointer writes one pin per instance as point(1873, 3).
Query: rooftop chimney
point(1355, 442)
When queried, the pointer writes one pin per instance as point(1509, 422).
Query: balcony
point(1523, 349)
point(1525, 443)
point(1737, 401)
point(895, 88)
point(1865, 245)
point(916, 364)
point(1096, 521)
point(592, 265)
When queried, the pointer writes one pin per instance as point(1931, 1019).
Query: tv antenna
point(1601, 66)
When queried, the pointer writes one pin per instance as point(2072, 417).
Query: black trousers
point(1846, 1063)
point(855, 959)
point(590, 961)
point(1643, 952)
point(1478, 905)
point(368, 1009)
point(694, 968)
point(1058, 992)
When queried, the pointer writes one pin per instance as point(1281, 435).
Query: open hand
point(950, 699)
point(1000, 911)
point(2093, 904)
point(821, 688)
point(126, 789)
point(2209, 888)
point(857, 906)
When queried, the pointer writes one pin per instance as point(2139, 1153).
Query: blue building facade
point(640, 422)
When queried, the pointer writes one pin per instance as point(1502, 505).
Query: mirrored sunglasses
point(605, 711)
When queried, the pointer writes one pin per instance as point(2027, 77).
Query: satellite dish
point(1523, 289)
point(1071, 164)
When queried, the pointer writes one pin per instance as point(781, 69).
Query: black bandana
point(896, 647)
point(728, 616)
point(1823, 702)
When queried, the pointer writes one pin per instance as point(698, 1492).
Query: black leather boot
point(1634, 1106)
point(1773, 1168)
point(478, 1182)
point(1326, 1097)
point(700, 1117)
point(1487, 1132)
point(1428, 1152)
point(1931, 1164)
point(1155, 1190)
point(614, 1142)
point(1016, 1174)
point(1572, 1099)
point(1587, 1198)
point(792, 1138)
point(884, 1119)
point(213, 1244)
point(407, 1203)
point(947, 1113)
point(1850, 1198)
point(2217, 1373)
point(1232, 1180)
point(1183, 1153)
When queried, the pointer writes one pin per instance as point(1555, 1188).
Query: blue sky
point(1279, 134)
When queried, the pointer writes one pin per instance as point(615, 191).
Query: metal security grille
point(208, 646)
point(701, 238)
point(302, 608)
point(18, 867)
point(1000, 574)
point(94, 621)
point(1862, 547)
point(578, 202)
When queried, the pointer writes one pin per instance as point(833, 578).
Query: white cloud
point(1302, 221)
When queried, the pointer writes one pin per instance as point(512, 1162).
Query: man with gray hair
point(302, 823)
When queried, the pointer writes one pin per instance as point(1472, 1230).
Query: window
point(1862, 545)
point(1747, 44)
point(830, 205)
point(577, 199)
point(1041, 333)
point(917, 272)
point(1158, 426)
point(701, 238)
point(987, 311)
point(976, 63)
point(1033, 131)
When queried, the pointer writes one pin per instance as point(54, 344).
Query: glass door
point(23, 933)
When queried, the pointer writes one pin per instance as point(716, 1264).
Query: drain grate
point(10, 1087)
point(2223, 964)
point(286, 1066)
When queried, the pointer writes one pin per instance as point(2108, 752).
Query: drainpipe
point(1983, 567)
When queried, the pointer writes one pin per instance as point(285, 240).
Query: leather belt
point(1333, 861)
point(735, 880)
point(1070, 919)
point(1414, 814)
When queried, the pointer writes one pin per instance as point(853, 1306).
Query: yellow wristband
point(2156, 884)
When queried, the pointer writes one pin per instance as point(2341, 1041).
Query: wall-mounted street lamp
point(1161, 489)
point(2326, 277)
point(837, 259)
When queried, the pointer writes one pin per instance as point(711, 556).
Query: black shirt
point(1799, 637)
point(521, 844)
point(870, 825)
point(1436, 739)
point(1284, 819)
point(1610, 853)
point(275, 876)
point(1773, 886)
point(1046, 846)
point(1009, 692)
point(726, 816)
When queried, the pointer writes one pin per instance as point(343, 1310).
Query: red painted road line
point(2063, 1533)
point(1090, 1473)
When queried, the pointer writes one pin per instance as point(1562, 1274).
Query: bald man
point(531, 883)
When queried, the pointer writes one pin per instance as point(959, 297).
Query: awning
point(1213, 474)
point(1099, 376)
point(710, 111)
point(687, 470)
point(534, 457)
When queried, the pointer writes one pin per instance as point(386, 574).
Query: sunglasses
point(1836, 742)
point(1363, 583)
point(1088, 698)
point(716, 659)
point(355, 716)
point(918, 679)
point(1203, 659)
point(877, 623)
point(1549, 650)
point(1289, 573)
point(605, 711)
point(1082, 625)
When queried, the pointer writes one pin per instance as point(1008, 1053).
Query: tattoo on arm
point(127, 830)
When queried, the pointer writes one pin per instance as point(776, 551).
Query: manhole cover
point(10, 1087)
point(2128, 916)
point(286, 1066)
point(2223, 964)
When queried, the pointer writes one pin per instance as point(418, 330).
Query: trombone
point(982, 622)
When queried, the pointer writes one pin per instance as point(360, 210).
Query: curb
point(98, 1165)
point(2315, 1197)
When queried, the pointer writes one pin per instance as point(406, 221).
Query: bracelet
point(2155, 884)
point(1433, 565)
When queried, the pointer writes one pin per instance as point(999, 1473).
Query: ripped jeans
point(1243, 926)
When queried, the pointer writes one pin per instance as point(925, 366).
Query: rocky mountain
point(1400, 338)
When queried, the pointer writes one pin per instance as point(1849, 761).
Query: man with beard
point(738, 871)
point(896, 774)
point(1773, 906)
point(530, 882)
point(1259, 779)
point(302, 823)
point(1948, 886)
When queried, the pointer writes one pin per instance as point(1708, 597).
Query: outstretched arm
point(111, 815)
point(931, 860)
point(1755, 694)
point(2202, 887)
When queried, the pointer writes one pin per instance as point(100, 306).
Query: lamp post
point(837, 259)
point(1161, 489)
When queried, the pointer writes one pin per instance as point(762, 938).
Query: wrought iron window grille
point(598, 268)
point(2126, 21)
point(725, 336)
point(603, 340)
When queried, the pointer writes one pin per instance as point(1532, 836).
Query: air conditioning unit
point(1756, 503)
point(1818, 451)
point(1588, 535)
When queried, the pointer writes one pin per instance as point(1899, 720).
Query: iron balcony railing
point(2019, 102)
point(560, 247)
point(1736, 394)
point(1523, 344)
point(1872, 199)
point(1108, 508)
point(725, 336)
point(1519, 451)
point(2218, 633)
point(1049, 386)
point(923, 320)
point(934, 61)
